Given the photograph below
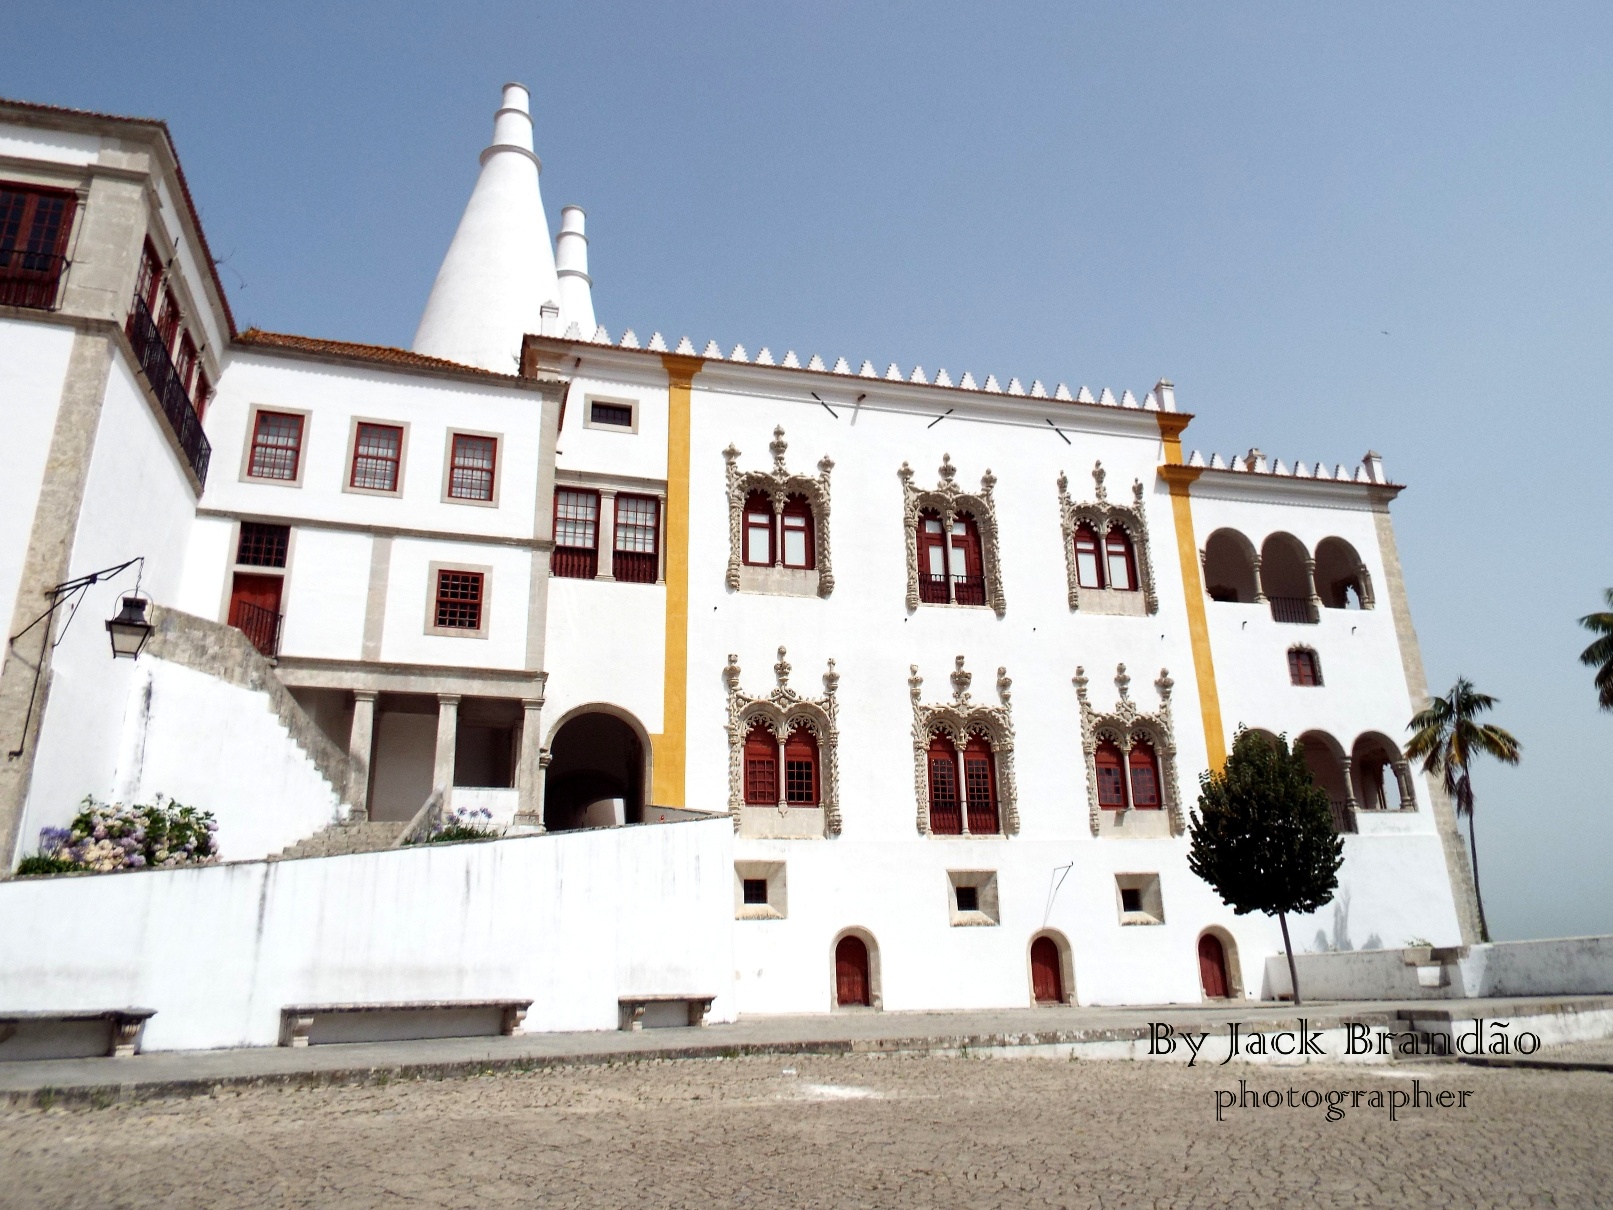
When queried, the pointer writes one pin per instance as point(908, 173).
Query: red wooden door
point(255, 610)
point(1047, 982)
point(851, 972)
point(1212, 967)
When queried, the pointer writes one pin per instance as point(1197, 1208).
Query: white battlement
point(1369, 470)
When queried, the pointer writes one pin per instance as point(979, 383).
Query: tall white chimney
point(500, 270)
point(571, 264)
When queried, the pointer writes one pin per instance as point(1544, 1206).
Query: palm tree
point(1599, 655)
point(1447, 736)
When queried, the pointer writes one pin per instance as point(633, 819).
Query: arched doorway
point(1229, 567)
point(1047, 973)
point(1213, 975)
point(596, 776)
point(1284, 578)
point(854, 981)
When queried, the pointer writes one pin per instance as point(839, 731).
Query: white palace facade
point(793, 683)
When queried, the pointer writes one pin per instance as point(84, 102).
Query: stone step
point(342, 838)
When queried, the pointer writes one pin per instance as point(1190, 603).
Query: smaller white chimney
point(571, 265)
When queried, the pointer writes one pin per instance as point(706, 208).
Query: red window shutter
point(946, 807)
point(932, 554)
point(1144, 776)
point(185, 361)
point(150, 279)
point(1047, 980)
point(968, 581)
point(1122, 561)
point(799, 547)
point(1303, 667)
point(761, 767)
point(168, 318)
point(1088, 567)
point(801, 768)
point(34, 229)
point(1111, 777)
point(759, 530)
point(204, 392)
point(980, 786)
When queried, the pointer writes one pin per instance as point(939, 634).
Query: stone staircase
point(340, 839)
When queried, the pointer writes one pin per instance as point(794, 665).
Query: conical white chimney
point(571, 264)
point(500, 271)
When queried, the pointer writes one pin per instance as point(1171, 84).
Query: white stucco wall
point(570, 921)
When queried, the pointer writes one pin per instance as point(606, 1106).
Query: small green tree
point(1263, 834)
point(1599, 655)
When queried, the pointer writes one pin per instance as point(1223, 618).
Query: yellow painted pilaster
point(671, 747)
point(1179, 479)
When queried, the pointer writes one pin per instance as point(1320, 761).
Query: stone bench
point(400, 1020)
point(72, 1033)
point(631, 1010)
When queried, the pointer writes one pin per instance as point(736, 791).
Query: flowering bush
point(462, 823)
point(112, 836)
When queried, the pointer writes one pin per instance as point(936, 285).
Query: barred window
point(946, 814)
point(801, 768)
point(377, 452)
point(471, 475)
point(618, 414)
point(276, 446)
point(761, 766)
point(980, 786)
point(263, 545)
point(1111, 777)
point(459, 600)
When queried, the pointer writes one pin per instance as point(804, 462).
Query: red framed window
point(980, 786)
point(1111, 776)
point(968, 581)
point(932, 551)
point(946, 806)
point(475, 459)
point(576, 534)
point(204, 392)
point(1088, 569)
point(167, 318)
point(263, 545)
point(459, 600)
point(1144, 776)
point(1122, 562)
point(797, 535)
point(636, 556)
point(185, 362)
point(34, 227)
point(150, 279)
point(276, 446)
point(377, 457)
point(761, 766)
point(759, 530)
point(801, 768)
point(1304, 667)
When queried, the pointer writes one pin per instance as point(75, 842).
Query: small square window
point(459, 600)
point(1138, 899)
point(263, 545)
point(1131, 899)
point(617, 415)
point(276, 447)
point(470, 476)
point(973, 895)
point(759, 891)
point(968, 898)
point(755, 891)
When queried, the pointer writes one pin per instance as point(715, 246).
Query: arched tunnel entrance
point(596, 774)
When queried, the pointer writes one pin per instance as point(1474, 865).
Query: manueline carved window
point(783, 756)
point(1106, 550)
point(963, 760)
point(1131, 762)
point(952, 556)
point(778, 526)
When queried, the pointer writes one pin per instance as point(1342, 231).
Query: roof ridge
point(381, 354)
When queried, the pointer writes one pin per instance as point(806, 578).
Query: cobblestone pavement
point(876, 1131)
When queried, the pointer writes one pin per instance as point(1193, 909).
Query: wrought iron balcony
point(151, 351)
point(31, 279)
point(969, 590)
point(1292, 609)
point(260, 625)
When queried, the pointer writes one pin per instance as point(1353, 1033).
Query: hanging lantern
point(129, 630)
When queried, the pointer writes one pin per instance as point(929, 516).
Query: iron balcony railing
point(31, 279)
point(151, 351)
point(969, 590)
point(260, 625)
point(1292, 609)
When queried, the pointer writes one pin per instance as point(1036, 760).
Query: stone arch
point(1066, 966)
point(1286, 578)
point(875, 980)
point(1229, 955)
point(596, 768)
point(1330, 770)
point(1231, 568)
point(1381, 775)
point(1342, 579)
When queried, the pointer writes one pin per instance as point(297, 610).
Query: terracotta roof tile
point(381, 354)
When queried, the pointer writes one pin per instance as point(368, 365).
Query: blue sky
point(1334, 227)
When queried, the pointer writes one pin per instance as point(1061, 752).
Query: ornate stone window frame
point(781, 711)
point(1101, 514)
point(949, 500)
point(958, 719)
point(779, 484)
point(1122, 726)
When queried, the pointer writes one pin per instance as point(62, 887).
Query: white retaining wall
point(1560, 966)
point(572, 921)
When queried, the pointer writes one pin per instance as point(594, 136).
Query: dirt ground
point(836, 1131)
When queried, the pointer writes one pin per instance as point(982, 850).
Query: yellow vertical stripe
point(671, 746)
point(1180, 479)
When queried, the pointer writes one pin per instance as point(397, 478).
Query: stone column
point(783, 805)
point(946, 556)
point(1408, 800)
point(442, 777)
point(1349, 784)
point(1260, 587)
point(1313, 596)
point(529, 772)
point(607, 534)
point(359, 745)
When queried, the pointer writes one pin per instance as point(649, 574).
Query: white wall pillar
point(529, 771)
point(607, 535)
point(442, 777)
point(360, 743)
